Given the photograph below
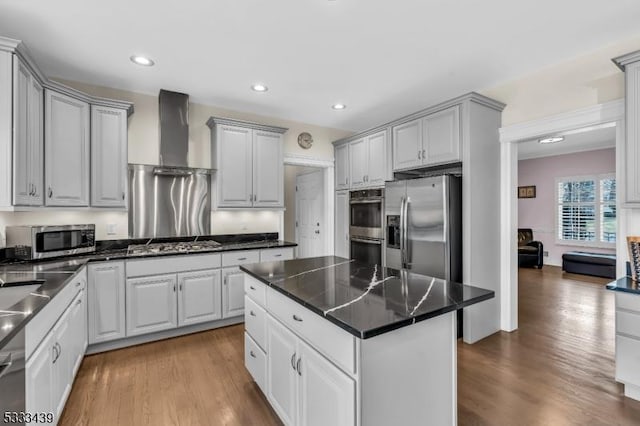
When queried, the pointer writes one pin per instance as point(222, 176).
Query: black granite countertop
point(365, 300)
point(625, 284)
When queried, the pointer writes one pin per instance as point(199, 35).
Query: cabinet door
point(232, 292)
point(377, 159)
point(234, 178)
point(108, 157)
point(22, 185)
point(407, 145)
point(631, 171)
point(78, 333)
point(106, 302)
point(327, 395)
point(358, 166)
point(441, 137)
point(66, 150)
point(342, 224)
point(63, 368)
point(36, 142)
point(268, 169)
point(199, 297)
point(151, 304)
point(341, 154)
point(39, 377)
point(282, 377)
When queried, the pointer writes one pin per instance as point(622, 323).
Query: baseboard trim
point(161, 335)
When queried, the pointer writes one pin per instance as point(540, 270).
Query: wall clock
point(305, 140)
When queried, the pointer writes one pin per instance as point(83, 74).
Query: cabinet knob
point(253, 314)
point(297, 318)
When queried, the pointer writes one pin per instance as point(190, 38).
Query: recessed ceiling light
point(259, 88)
point(142, 60)
point(553, 139)
point(338, 106)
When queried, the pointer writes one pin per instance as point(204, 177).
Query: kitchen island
point(333, 341)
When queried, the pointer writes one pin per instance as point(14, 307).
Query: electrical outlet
point(545, 253)
point(111, 229)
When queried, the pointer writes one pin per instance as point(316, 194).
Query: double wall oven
point(366, 225)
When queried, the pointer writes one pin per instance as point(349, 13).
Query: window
point(587, 210)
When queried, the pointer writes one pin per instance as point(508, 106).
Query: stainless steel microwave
point(40, 242)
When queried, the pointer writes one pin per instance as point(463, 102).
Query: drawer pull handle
point(253, 314)
point(293, 362)
point(278, 255)
point(252, 287)
point(298, 368)
point(252, 354)
point(242, 258)
point(297, 318)
point(79, 283)
point(79, 301)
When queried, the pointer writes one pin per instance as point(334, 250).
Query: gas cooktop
point(181, 247)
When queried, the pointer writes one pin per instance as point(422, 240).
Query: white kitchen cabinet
point(106, 301)
point(28, 122)
point(282, 376)
point(108, 157)
point(67, 146)
point(358, 164)
point(199, 297)
point(39, 371)
point(78, 325)
point(249, 159)
point(441, 137)
point(341, 154)
point(407, 145)
point(342, 224)
point(268, 169)
point(63, 371)
point(628, 343)
point(151, 304)
point(326, 395)
point(377, 159)
point(232, 292)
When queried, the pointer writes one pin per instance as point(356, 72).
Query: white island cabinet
point(627, 336)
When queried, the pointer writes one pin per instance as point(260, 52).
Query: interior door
point(282, 377)
point(310, 214)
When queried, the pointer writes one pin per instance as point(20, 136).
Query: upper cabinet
point(108, 157)
point(55, 140)
point(362, 162)
point(66, 150)
point(249, 163)
point(407, 145)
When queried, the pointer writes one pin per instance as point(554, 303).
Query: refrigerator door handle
point(407, 246)
point(402, 230)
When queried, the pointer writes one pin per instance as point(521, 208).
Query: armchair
point(530, 252)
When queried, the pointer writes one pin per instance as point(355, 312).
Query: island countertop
point(365, 300)
point(625, 284)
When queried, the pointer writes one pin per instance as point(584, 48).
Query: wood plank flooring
point(557, 369)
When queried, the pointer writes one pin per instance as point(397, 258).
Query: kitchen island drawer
point(628, 301)
point(628, 323)
point(172, 264)
point(269, 255)
point(256, 290)
point(328, 338)
point(255, 321)
point(255, 360)
point(234, 258)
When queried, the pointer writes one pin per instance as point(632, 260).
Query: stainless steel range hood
point(170, 199)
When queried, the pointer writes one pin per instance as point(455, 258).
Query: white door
point(377, 159)
point(235, 166)
point(36, 142)
point(22, 185)
point(106, 302)
point(39, 377)
point(407, 145)
point(342, 224)
point(342, 166)
point(282, 377)
point(327, 395)
point(232, 292)
point(108, 157)
point(199, 297)
point(268, 169)
point(358, 166)
point(66, 156)
point(441, 137)
point(310, 214)
point(151, 304)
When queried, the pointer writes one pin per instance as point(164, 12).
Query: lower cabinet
point(232, 292)
point(106, 301)
point(303, 387)
point(151, 304)
point(199, 297)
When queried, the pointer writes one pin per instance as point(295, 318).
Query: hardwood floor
point(556, 369)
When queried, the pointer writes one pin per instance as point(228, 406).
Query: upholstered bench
point(597, 264)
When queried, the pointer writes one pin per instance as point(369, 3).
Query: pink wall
point(539, 213)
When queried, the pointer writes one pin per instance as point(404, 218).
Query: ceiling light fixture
point(259, 88)
point(142, 60)
point(338, 106)
point(552, 139)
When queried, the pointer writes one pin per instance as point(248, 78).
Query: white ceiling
point(589, 140)
point(384, 59)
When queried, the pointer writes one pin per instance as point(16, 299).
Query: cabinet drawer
point(269, 255)
point(628, 323)
point(256, 362)
point(240, 257)
point(255, 322)
point(628, 301)
point(256, 290)
point(329, 339)
point(172, 264)
point(628, 360)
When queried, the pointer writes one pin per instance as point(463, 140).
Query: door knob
point(317, 232)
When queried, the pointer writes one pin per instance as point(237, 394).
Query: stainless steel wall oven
point(366, 228)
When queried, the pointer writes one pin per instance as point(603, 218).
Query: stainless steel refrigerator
point(423, 219)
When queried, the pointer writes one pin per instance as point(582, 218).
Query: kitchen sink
point(12, 293)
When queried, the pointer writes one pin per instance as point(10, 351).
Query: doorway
point(310, 219)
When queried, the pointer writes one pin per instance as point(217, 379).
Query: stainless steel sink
point(12, 293)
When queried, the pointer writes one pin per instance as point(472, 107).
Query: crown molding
point(624, 60)
point(214, 121)
point(306, 161)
